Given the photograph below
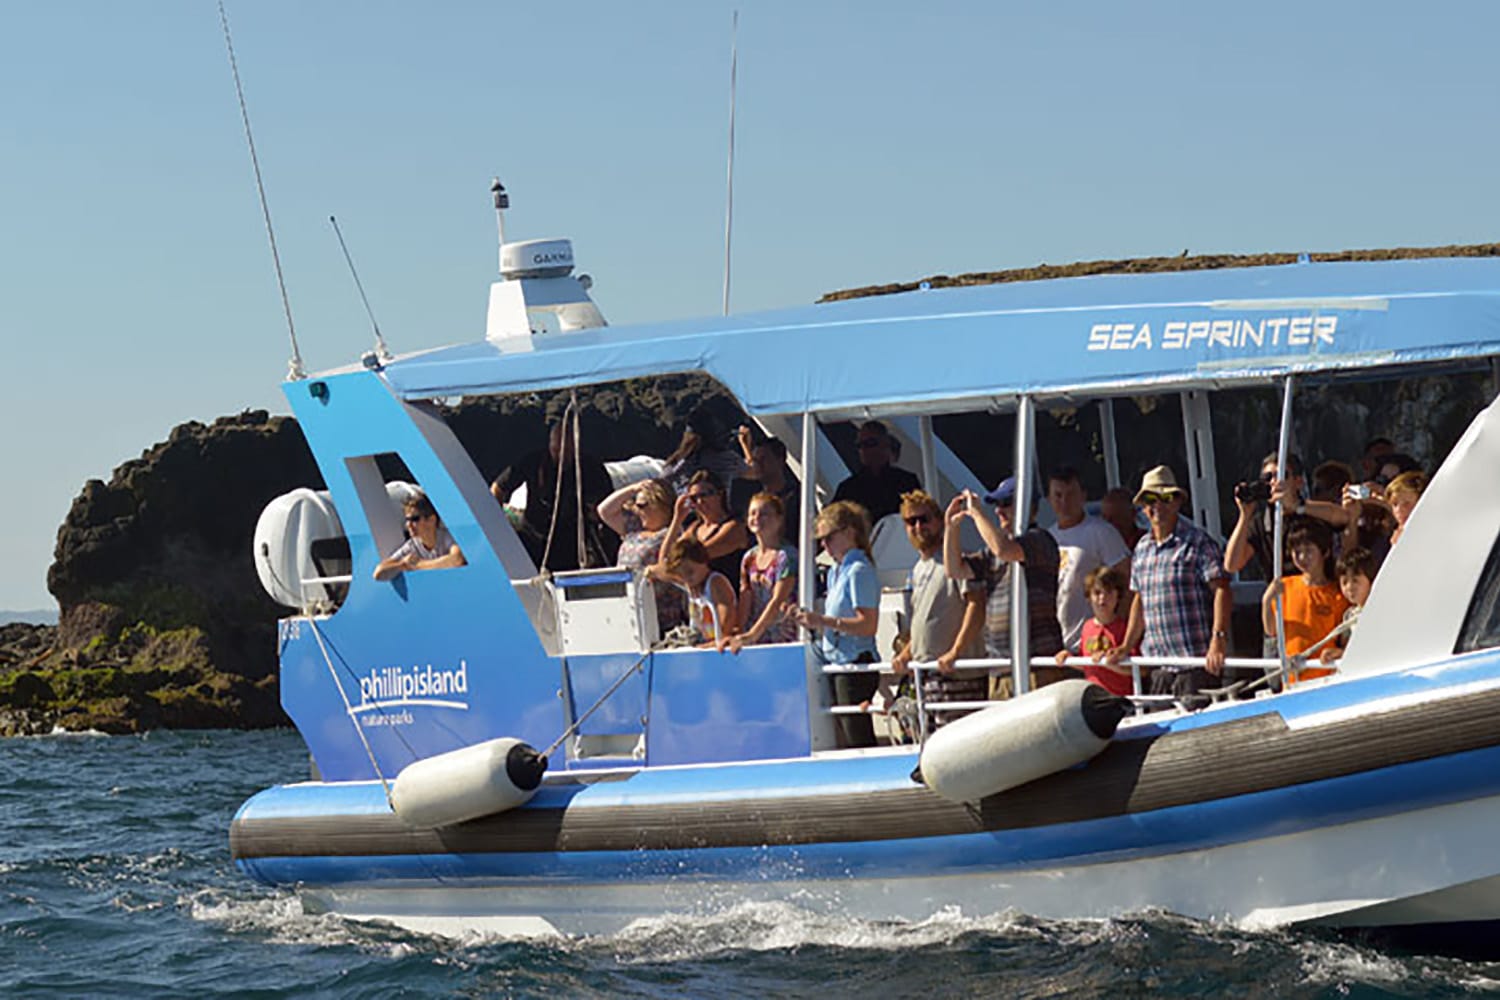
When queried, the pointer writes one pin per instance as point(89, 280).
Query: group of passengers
point(1098, 588)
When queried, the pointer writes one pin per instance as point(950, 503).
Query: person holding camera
point(1256, 500)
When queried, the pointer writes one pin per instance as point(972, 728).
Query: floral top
point(762, 584)
point(639, 549)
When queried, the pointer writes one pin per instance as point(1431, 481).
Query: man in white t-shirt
point(1083, 543)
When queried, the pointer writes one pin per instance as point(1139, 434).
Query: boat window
point(385, 485)
point(1482, 624)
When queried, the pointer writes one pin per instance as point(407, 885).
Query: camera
point(1360, 491)
point(1254, 491)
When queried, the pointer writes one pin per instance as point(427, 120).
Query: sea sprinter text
point(1274, 331)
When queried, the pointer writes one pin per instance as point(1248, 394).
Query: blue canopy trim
point(1068, 336)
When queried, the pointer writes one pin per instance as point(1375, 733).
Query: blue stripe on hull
point(1419, 785)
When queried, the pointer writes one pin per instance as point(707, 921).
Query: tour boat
point(506, 751)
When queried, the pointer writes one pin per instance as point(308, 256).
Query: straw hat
point(1159, 480)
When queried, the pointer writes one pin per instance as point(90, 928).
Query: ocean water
point(115, 880)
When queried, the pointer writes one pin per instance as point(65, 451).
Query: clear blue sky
point(878, 141)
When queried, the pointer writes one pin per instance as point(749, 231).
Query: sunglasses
point(695, 497)
point(868, 443)
point(414, 518)
point(916, 519)
point(1147, 499)
point(823, 538)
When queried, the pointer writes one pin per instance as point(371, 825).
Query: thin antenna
point(502, 202)
point(294, 370)
point(381, 351)
point(734, 62)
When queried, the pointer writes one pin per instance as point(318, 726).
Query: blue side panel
point(429, 661)
point(624, 711)
point(711, 707)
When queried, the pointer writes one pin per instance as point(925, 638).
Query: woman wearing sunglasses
point(640, 513)
point(846, 629)
point(702, 514)
point(428, 545)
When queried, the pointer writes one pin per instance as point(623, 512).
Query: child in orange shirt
point(1313, 605)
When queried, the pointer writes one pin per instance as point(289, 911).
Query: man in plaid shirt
point(1183, 602)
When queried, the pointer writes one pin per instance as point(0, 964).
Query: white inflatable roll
point(1016, 741)
point(467, 783)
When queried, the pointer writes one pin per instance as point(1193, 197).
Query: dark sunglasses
point(695, 497)
point(867, 443)
point(1147, 499)
point(916, 519)
point(414, 518)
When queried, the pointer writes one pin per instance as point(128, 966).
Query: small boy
point(1356, 572)
point(1105, 631)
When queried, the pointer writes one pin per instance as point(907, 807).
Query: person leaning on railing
point(428, 545)
point(1183, 601)
point(846, 629)
point(946, 619)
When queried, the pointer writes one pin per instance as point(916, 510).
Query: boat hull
point(1361, 803)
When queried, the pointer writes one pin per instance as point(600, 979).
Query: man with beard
point(946, 622)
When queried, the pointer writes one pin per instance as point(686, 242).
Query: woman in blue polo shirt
point(846, 629)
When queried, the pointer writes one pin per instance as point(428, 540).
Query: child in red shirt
point(1105, 631)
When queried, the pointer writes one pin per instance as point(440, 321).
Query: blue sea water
point(115, 880)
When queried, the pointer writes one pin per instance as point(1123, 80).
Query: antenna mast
point(734, 60)
point(294, 368)
point(382, 353)
point(502, 202)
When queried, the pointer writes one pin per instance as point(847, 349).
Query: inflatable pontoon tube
point(1030, 737)
point(467, 783)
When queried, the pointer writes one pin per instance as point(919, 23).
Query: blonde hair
point(845, 514)
point(1414, 482)
point(656, 492)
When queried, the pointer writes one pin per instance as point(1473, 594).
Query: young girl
point(710, 595)
point(1105, 631)
point(768, 575)
point(1313, 604)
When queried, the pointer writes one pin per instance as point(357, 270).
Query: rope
point(577, 474)
point(573, 727)
point(556, 499)
point(349, 711)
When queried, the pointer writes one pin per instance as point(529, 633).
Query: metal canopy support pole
point(1203, 480)
point(1109, 442)
point(1283, 446)
point(929, 455)
point(1020, 618)
point(820, 723)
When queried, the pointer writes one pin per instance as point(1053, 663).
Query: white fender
point(1013, 742)
point(467, 783)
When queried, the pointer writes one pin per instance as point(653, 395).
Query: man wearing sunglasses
point(1183, 601)
point(878, 485)
point(429, 546)
point(946, 622)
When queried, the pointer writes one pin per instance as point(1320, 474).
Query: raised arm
point(613, 508)
point(1237, 550)
point(953, 560)
point(729, 536)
